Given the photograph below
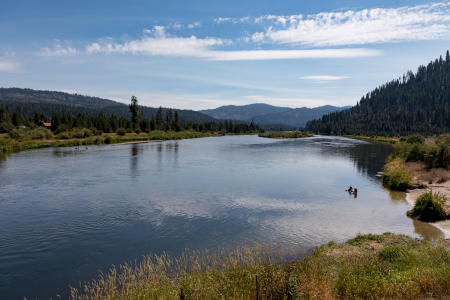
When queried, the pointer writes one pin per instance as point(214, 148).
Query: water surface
point(67, 212)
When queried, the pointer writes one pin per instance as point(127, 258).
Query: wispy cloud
point(8, 63)
point(323, 77)
point(292, 54)
point(59, 50)
point(156, 42)
point(367, 26)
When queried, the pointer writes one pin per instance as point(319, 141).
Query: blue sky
point(206, 53)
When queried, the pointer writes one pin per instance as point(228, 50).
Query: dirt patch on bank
point(437, 180)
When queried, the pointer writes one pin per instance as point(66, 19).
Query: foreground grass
point(285, 134)
point(368, 266)
point(9, 145)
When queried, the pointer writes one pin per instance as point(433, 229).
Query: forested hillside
point(28, 102)
point(271, 117)
point(416, 103)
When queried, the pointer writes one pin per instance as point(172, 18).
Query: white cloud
point(193, 25)
point(59, 50)
point(156, 42)
point(324, 77)
point(377, 25)
point(8, 66)
point(291, 54)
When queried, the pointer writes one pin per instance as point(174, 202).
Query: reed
point(369, 266)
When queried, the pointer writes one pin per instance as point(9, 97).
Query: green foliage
point(121, 131)
point(77, 133)
point(433, 155)
point(413, 139)
point(362, 238)
point(396, 255)
point(429, 207)
point(395, 175)
point(284, 134)
point(416, 103)
point(30, 133)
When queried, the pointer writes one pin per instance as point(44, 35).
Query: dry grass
point(424, 175)
point(369, 266)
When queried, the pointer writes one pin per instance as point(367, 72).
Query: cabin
point(45, 124)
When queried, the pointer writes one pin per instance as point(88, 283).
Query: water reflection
point(134, 157)
point(427, 231)
point(80, 211)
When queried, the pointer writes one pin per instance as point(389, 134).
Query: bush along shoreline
point(368, 266)
point(285, 134)
point(429, 207)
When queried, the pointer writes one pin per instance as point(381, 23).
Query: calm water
point(67, 213)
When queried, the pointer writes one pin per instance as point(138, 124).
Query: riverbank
point(375, 139)
point(368, 266)
point(285, 134)
point(10, 145)
point(436, 180)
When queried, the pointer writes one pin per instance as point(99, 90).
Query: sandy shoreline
point(443, 188)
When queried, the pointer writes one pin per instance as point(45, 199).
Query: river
point(67, 213)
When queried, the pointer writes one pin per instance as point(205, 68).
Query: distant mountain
point(243, 112)
point(28, 102)
point(416, 103)
point(297, 117)
point(271, 117)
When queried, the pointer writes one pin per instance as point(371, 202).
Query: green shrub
point(6, 127)
point(39, 133)
point(75, 133)
point(416, 153)
point(121, 131)
point(429, 207)
point(413, 139)
point(395, 176)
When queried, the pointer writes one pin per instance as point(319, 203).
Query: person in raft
point(350, 190)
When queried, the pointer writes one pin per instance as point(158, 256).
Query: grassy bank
point(376, 139)
point(285, 134)
point(9, 145)
point(395, 175)
point(368, 266)
point(434, 153)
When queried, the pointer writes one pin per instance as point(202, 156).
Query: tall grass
point(429, 207)
point(369, 266)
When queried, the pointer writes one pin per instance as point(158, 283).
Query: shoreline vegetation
point(285, 134)
point(368, 266)
point(419, 166)
point(10, 145)
point(19, 132)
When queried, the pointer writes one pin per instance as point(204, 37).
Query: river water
point(67, 213)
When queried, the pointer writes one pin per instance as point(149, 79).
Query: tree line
point(415, 103)
point(163, 119)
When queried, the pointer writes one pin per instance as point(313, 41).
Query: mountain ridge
point(30, 101)
point(272, 117)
